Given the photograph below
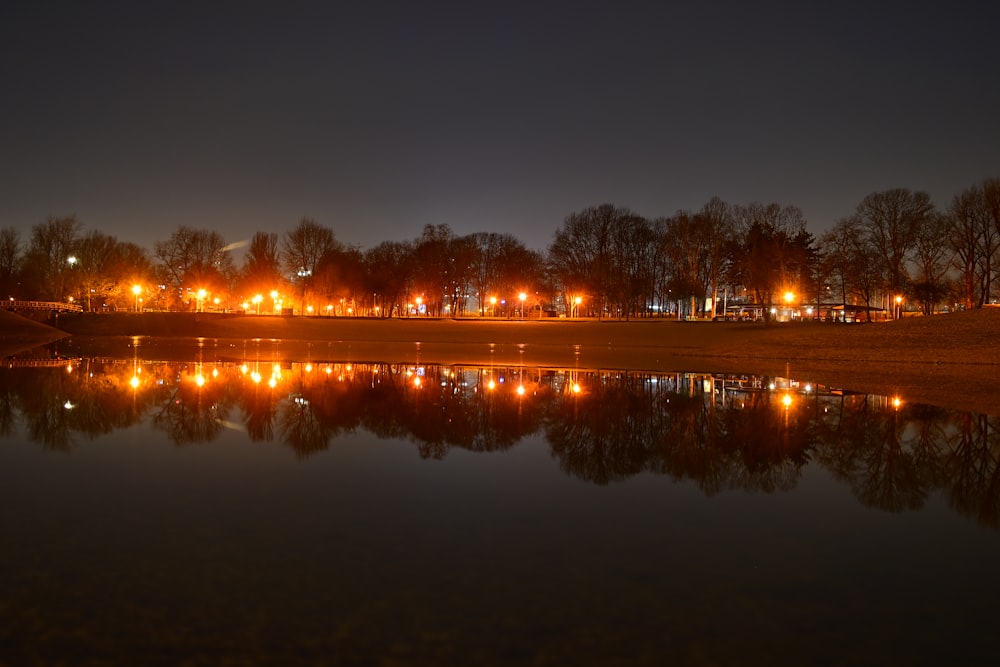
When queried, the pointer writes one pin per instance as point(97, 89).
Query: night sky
point(377, 118)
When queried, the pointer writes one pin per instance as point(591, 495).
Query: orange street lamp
point(576, 304)
point(523, 297)
point(493, 305)
point(257, 299)
point(136, 290)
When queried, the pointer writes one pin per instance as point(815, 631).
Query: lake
point(207, 503)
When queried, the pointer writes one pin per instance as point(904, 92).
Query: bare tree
point(588, 255)
point(303, 249)
point(50, 260)
point(892, 220)
point(10, 260)
point(932, 258)
point(261, 271)
point(685, 247)
point(389, 268)
point(974, 217)
point(718, 231)
point(195, 259)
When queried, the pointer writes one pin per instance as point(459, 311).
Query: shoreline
point(948, 360)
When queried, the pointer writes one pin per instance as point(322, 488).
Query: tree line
point(603, 261)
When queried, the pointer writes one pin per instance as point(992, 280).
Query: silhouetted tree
point(48, 272)
point(891, 221)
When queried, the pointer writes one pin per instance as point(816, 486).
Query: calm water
point(223, 508)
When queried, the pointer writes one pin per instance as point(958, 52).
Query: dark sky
point(376, 118)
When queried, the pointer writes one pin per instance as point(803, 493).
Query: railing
point(57, 306)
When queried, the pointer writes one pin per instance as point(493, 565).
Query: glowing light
point(786, 400)
point(309, 368)
point(309, 309)
point(491, 385)
point(416, 381)
point(272, 383)
point(897, 402)
point(199, 380)
point(520, 390)
point(255, 376)
point(134, 382)
point(789, 297)
point(576, 388)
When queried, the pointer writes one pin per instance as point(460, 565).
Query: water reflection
point(722, 432)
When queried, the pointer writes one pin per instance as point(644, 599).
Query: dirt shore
point(948, 360)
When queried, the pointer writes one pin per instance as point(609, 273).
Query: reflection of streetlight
point(523, 297)
point(136, 289)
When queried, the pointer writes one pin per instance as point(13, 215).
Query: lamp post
point(789, 298)
point(493, 306)
point(136, 290)
point(899, 306)
point(523, 297)
point(576, 305)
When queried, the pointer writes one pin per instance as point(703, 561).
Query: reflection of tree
point(868, 452)
point(768, 440)
point(258, 406)
point(301, 429)
point(605, 434)
point(972, 466)
point(193, 414)
point(602, 426)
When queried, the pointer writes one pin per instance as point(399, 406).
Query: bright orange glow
point(576, 388)
point(789, 297)
point(134, 382)
point(255, 376)
point(309, 368)
point(786, 400)
point(520, 390)
point(199, 380)
point(416, 381)
point(136, 290)
point(491, 385)
point(897, 402)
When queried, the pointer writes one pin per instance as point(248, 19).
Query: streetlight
point(201, 300)
point(493, 305)
point(523, 297)
point(576, 304)
point(789, 298)
point(136, 289)
point(257, 299)
point(899, 306)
